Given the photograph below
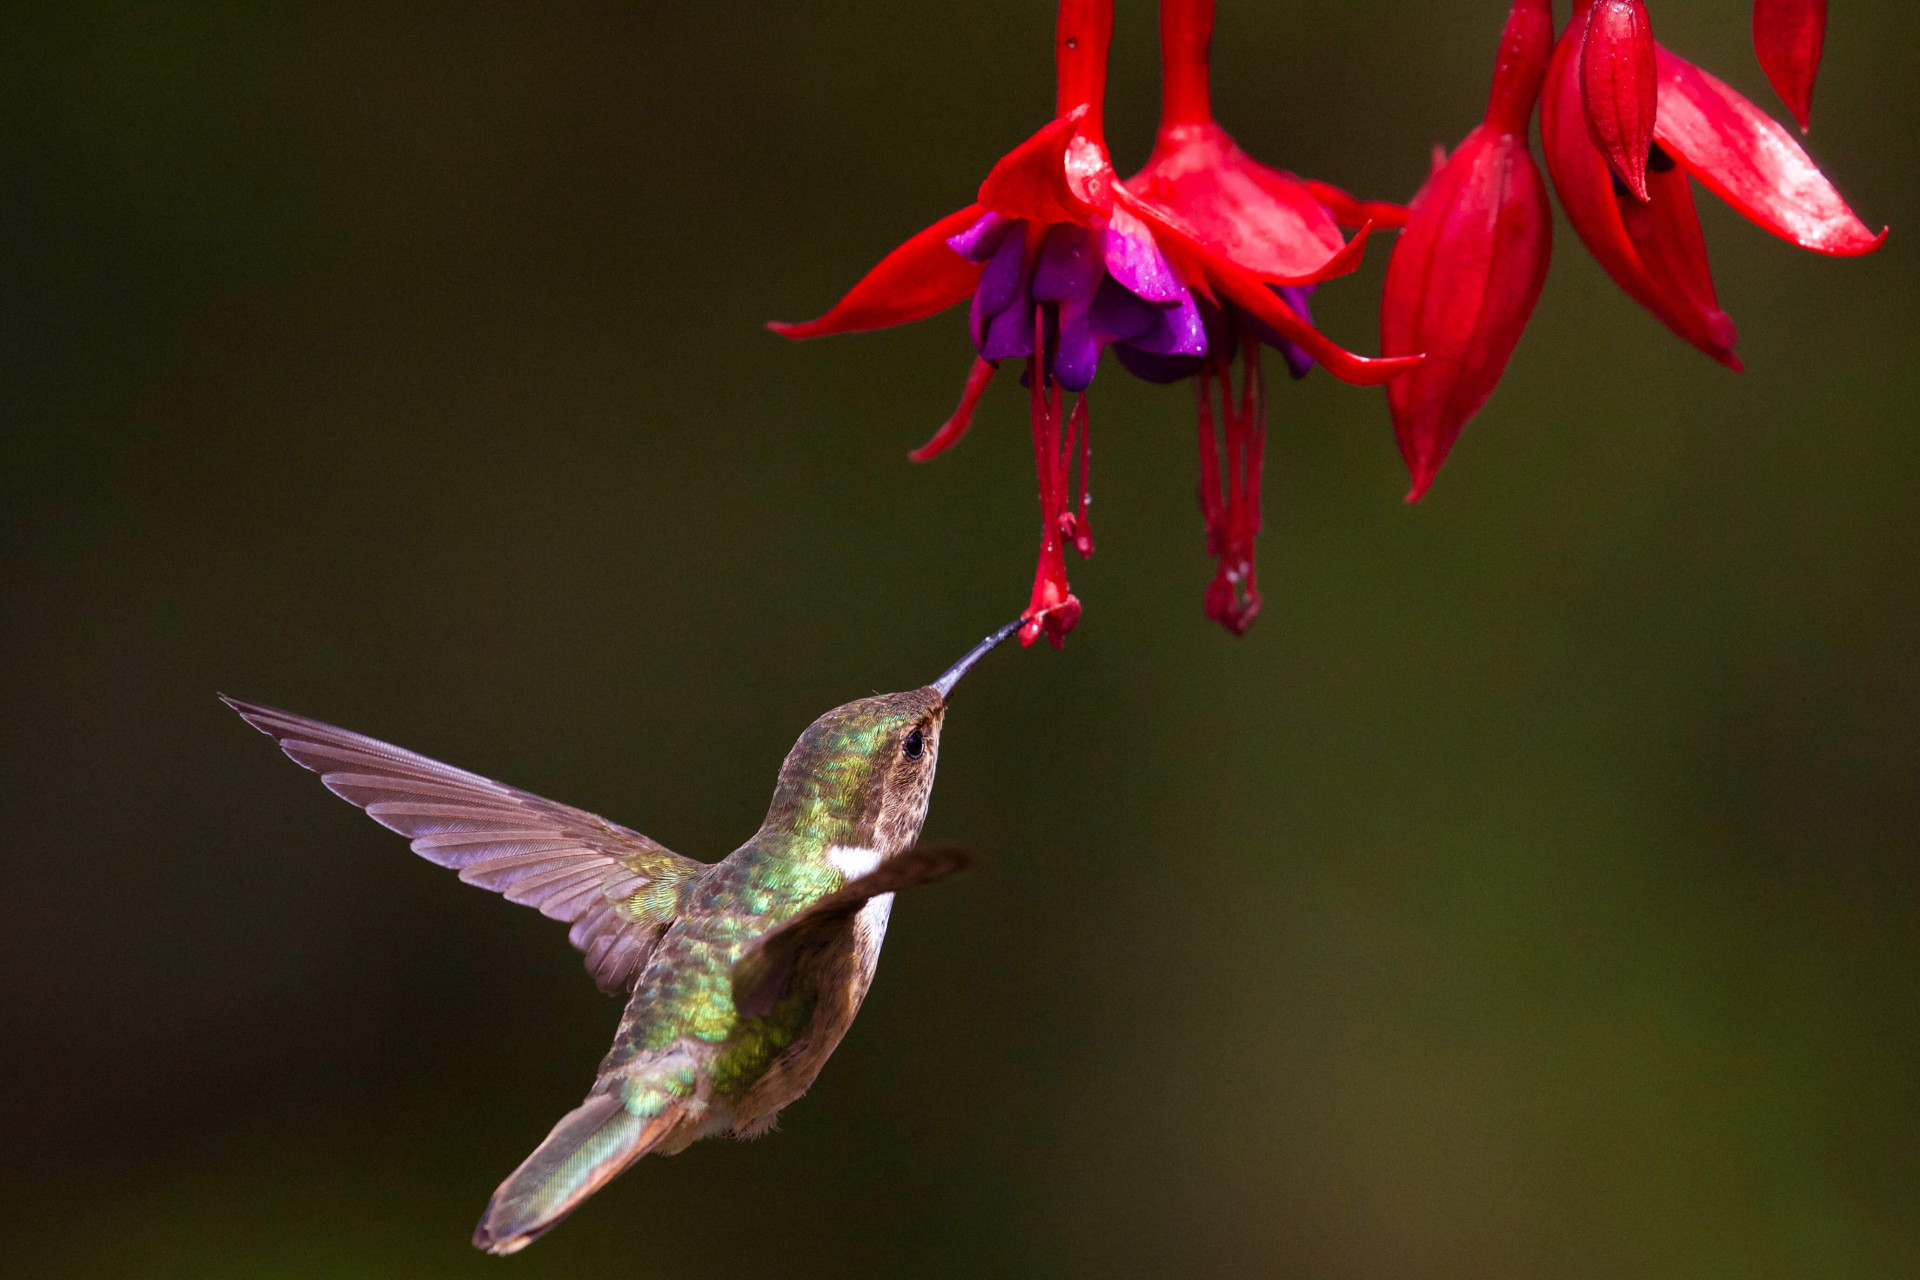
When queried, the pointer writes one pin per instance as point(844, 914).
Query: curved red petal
point(1349, 211)
point(921, 277)
point(953, 429)
point(1581, 177)
point(1266, 221)
point(1741, 155)
point(1665, 232)
point(1461, 286)
point(1212, 274)
point(1032, 180)
point(1788, 37)
point(1619, 87)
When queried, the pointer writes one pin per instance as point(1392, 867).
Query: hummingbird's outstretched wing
point(764, 971)
point(618, 889)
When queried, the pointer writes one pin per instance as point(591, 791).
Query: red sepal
point(1788, 36)
point(920, 278)
point(1740, 154)
point(1266, 221)
point(954, 428)
point(1214, 277)
point(1619, 87)
point(1659, 260)
point(1034, 182)
point(1349, 211)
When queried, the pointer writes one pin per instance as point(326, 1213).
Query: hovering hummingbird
point(740, 976)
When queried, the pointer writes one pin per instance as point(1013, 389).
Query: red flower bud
point(1619, 89)
point(1470, 264)
point(1788, 36)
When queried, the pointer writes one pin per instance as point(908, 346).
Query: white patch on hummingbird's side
point(869, 931)
point(852, 861)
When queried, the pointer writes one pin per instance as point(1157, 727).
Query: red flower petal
point(1351, 212)
point(954, 428)
point(1740, 154)
point(921, 277)
point(1214, 276)
point(1267, 222)
point(1619, 88)
point(1665, 231)
point(1461, 287)
point(1661, 261)
point(1788, 36)
point(1032, 180)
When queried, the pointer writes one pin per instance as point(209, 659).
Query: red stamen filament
point(1054, 609)
point(1232, 511)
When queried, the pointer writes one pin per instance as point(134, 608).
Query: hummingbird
point(740, 976)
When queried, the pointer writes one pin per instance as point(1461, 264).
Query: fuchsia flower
point(1704, 130)
point(1283, 230)
point(1468, 270)
point(1788, 37)
point(1062, 262)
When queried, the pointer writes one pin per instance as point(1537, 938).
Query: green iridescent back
point(846, 784)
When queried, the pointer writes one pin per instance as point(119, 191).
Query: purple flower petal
point(1119, 315)
point(1174, 346)
point(1071, 264)
point(999, 286)
point(1181, 332)
point(1076, 356)
point(981, 241)
point(1071, 269)
point(1010, 333)
point(1136, 261)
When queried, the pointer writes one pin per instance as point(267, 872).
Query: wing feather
point(571, 865)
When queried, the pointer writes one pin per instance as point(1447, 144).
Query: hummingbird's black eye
point(914, 745)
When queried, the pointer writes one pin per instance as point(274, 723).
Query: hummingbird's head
point(860, 777)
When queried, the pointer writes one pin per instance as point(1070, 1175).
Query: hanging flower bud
point(1788, 36)
point(1470, 265)
point(1618, 87)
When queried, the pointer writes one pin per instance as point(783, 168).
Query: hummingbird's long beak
point(944, 685)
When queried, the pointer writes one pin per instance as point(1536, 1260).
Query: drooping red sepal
point(1618, 87)
point(1788, 37)
point(1665, 232)
point(1350, 211)
point(1045, 179)
point(1740, 154)
point(1660, 260)
point(1216, 277)
point(1266, 221)
point(953, 429)
point(920, 278)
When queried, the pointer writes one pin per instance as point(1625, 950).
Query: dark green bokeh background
point(1534, 893)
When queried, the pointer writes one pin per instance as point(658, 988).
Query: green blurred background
point(1533, 893)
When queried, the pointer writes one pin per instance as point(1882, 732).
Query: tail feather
point(590, 1146)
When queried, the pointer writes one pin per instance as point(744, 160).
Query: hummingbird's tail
point(590, 1146)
